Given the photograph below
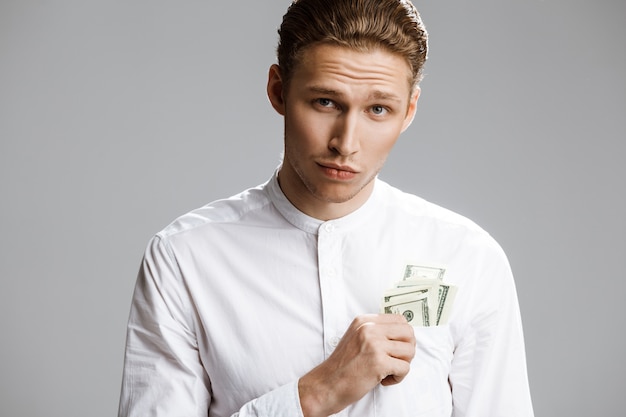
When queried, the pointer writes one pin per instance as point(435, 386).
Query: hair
point(362, 25)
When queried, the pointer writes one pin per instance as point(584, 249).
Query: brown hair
point(357, 24)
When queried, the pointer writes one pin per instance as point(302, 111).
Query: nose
point(345, 138)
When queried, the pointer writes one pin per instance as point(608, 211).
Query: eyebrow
point(381, 95)
point(376, 94)
point(325, 91)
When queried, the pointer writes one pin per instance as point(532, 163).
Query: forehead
point(343, 67)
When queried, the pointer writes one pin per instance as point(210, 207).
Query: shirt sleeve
point(282, 402)
point(163, 373)
point(488, 375)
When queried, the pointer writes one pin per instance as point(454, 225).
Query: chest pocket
point(425, 391)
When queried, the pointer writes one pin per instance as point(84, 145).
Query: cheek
point(305, 133)
point(381, 141)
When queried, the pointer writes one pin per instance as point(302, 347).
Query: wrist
point(315, 398)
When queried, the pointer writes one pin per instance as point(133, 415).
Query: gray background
point(117, 116)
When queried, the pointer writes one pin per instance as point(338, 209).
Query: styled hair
point(362, 25)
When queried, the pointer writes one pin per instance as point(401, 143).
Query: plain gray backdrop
point(118, 116)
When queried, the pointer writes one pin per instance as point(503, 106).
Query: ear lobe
point(410, 113)
point(275, 89)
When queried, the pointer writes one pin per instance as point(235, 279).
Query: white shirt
point(238, 299)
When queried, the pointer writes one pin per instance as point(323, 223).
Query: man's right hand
point(376, 349)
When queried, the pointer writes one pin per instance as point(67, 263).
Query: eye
point(325, 102)
point(379, 110)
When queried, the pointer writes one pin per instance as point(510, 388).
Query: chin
point(336, 196)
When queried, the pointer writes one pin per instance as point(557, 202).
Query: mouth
point(337, 171)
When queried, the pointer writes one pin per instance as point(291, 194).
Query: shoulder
point(434, 219)
point(229, 210)
point(410, 205)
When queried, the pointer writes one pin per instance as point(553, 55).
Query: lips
point(338, 167)
point(337, 171)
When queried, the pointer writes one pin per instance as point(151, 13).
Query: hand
point(375, 349)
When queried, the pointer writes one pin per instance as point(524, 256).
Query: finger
point(400, 350)
point(370, 332)
point(381, 319)
point(389, 318)
point(398, 370)
point(378, 319)
point(400, 331)
point(383, 329)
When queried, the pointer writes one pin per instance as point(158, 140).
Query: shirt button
point(329, 227)
point(334, 341)
point(331, 272)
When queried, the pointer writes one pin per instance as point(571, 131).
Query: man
point(266, 303)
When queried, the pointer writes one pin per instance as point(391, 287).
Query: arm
point(376, 349)
point(488, 375)
point(163, 375)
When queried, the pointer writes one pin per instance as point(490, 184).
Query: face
point(343, 112)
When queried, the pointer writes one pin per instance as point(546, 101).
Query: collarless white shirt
point(238, 299)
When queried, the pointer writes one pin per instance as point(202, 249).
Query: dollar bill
point(421, 296)
point(416, 289)
point(414, 308)
point(447, 294)
point(407, 286)
point(412, 272)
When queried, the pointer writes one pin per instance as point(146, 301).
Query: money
point(413, 307)
point(447, 294)
point(421, 296)
point(423, 272)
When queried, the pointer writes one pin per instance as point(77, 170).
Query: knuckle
point(358, 321)
point(363, 319)
point(366, 338)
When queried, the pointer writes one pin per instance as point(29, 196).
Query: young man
point(266, 304)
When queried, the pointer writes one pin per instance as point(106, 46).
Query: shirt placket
point(330, 262)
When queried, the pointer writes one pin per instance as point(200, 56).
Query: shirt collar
point(310, 224)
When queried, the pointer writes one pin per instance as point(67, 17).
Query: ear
point(410, 113)
point(275, 89)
